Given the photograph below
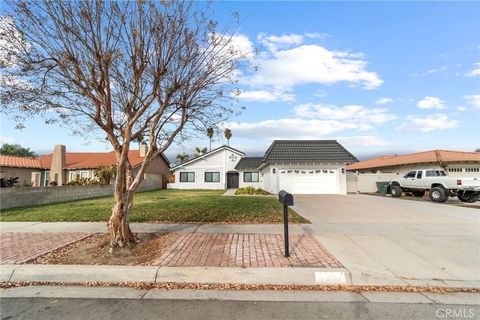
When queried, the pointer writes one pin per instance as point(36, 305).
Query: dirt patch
point(94, 250)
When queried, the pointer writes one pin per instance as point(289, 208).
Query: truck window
point(411, 174)
point(430, 173)
point(441, 173)
point(419, 174)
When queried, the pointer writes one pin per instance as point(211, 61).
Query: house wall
point(217, 162)
point(366, 182)
point(271, 180)
point(243, 184)
point(27, 197)
point(24, 174)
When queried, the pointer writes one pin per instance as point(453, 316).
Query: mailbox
point(285, 198)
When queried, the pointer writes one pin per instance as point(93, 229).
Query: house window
point(187, 176)
point(47, 178)
point(72, 176)
point(250, 177)
point(83, 174)
point(212, 176)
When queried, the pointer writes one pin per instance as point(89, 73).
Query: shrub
point(8, 182)
point(251, 191)
point(105, 174)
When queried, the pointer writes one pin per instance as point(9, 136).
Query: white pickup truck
point(438, 184)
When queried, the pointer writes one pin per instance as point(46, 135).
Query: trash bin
point(383, 187)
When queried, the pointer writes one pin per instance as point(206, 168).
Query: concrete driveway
point(392, 241)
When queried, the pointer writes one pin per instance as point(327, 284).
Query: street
point(48, 308)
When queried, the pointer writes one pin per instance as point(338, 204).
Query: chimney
point(143, 150)
point(57, 173)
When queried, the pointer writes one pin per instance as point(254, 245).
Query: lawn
point(173, 206)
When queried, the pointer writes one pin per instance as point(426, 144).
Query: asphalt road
point(48, 308)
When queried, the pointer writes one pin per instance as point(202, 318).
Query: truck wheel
point(469, 197)
point(438, 194)
point(396, 191)
point(418, 194)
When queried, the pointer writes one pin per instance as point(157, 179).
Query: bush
point(251, 191)
point(83, 182)
point(105, 174)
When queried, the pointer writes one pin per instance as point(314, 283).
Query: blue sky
point(380, 77)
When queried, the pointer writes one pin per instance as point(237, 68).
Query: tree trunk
point(119, 224)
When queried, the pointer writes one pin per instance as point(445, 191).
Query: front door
point(232, 180)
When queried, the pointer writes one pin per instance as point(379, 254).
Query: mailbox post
point(286, 199)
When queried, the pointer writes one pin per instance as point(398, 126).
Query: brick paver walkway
point(19, 247)
point(246, 250)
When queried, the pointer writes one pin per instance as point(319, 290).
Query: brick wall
point(27, 197)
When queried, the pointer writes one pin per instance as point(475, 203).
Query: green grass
point(163, 206)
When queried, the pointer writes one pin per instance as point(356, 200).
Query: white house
point(297, 166)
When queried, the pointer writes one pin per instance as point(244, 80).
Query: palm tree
point(210, 133)
point(200, 151)
point(228, 135)
point(182, 157)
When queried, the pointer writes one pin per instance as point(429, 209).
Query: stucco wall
point(24, 174)
point(243, 184)
point(27, 197)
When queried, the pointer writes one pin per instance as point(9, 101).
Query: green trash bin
point(383, 187)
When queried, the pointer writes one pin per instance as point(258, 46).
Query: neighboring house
point(63, 167)
point(297, 166)
point(455, 163)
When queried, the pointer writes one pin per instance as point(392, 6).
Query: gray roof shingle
point(249, 163)
point(307, 152)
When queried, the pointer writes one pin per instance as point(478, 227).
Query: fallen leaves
point(234, 286)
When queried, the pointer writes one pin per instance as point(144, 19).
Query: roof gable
point(307, 152)
point(208, 154)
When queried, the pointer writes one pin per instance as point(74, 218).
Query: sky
point(380, 77)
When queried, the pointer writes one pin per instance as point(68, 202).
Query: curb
point(156, 274)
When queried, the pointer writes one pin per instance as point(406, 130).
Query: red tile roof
point(433, 156)
point(74, 160)
point(20, 162)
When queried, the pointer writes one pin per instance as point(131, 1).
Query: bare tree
point(134, 70)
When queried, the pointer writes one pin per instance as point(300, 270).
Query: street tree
point(131, 70)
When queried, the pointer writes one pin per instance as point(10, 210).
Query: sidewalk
point(360, 271)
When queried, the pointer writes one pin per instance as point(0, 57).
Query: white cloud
point(475, 72)
point(289, 128)
point(4, 139)
point(273, 43)
point(431, 103)
point(473, 100)
point(437, 70)
point(428, 123)
point(382, 101)
point(363, 141)
point(243, 45)
point(317, 35)
point(461, 109)
point(309, 64)
point(354, 113)
point(266, 95)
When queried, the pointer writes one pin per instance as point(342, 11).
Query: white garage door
point(309, 181)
